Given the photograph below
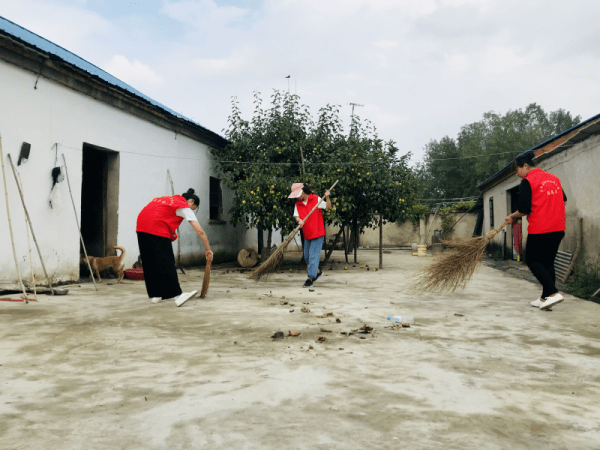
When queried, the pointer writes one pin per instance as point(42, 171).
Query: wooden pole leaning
point(12, 240)
point(29, 250)
point(31, 226)
point(178, 233)
point(77, 222)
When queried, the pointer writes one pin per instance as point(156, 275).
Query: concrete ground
point(478, 369)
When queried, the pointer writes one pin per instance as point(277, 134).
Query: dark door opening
point(99, 200)
point(512, 237)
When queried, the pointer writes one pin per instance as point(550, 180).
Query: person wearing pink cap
point(313, 227)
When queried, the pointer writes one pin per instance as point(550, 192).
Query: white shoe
point(157, 299)
point(552, 300)
point(537, 303)
point(182, 298)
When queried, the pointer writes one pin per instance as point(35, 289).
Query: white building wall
point(52, 114)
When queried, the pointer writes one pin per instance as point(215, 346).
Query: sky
point(420, 69)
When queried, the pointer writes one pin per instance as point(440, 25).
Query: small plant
point(585, 279)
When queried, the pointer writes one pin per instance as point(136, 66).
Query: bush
point(585, 279)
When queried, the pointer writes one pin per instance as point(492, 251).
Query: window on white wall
point(215, 199)
point(492, 212)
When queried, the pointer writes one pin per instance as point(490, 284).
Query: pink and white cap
point(296, 190)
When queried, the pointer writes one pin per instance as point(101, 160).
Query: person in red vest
point(156, 226)
point(542, 200)
point(313, 227)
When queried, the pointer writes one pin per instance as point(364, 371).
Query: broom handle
point(496, 230)
point(313, 210)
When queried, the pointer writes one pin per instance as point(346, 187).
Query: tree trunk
point(345, 243)
point(356, 241)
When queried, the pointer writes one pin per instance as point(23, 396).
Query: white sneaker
point(552, 300)
point(182, 298)
point(537, 303)
point(157, 299)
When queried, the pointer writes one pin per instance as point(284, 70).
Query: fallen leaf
point(322, 339)
point(310, 347)
point(323, 330)
point(459, 315)
point(338, 320)
point(305, 310)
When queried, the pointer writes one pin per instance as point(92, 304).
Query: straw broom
point(206, 280)
point(454, 269)
point(276, 258)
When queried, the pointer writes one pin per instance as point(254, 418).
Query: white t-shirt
point(187, 214)
point(322, 205)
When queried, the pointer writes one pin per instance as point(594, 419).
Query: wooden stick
point(178, 232)
point(31, 226)
point(87, 258)
point(12, 240)
point(29, 249)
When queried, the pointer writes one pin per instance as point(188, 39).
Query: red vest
point(547, 204)
point(314, 227)
point(158, 217)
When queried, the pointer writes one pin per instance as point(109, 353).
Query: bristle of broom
point(271, 265)
point(206, 281)
point(454, 269)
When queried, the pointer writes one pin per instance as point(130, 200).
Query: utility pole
point(288, 78)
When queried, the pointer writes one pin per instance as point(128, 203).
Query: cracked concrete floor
point(110, 370)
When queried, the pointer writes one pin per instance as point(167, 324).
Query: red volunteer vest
point(547, 204)
point(158, 217)
point(314, 227)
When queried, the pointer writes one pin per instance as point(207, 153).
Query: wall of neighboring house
point(578, 169)
point(57, 120)
point(405, 234)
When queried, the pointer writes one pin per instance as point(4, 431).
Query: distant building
point(118, 145)
point(574, 157)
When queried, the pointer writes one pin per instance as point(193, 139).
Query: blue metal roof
point(579, 125)
point(45, 45)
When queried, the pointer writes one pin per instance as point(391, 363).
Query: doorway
point(512, 236)
point(99, 200)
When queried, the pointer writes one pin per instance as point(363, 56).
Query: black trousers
point(158, 260)
point(540, 253)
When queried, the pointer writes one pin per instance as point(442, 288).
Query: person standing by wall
point(542, 200)
point(156, 226)
point(313, 227)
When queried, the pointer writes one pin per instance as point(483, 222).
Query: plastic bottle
point(402, 319)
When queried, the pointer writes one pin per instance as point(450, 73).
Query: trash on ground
point(305, 310)
point(322, 339)
point(323, 330)
point(459, 315)
point(278, 335)
point(365, 329)
point(293, 333)
point(291, 310)
point(338, 320)
point(324, 315)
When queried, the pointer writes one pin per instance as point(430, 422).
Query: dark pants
point(540, 252)
point(158, 260)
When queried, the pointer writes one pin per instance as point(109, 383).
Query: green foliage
point(585, 279)
point(453, 167)
point(263, 159)
point(447, 221)
point(418, 212)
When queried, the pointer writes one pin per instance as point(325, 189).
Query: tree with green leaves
point(452, 168)
point(282, 145)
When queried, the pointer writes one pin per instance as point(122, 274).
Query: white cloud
point(202, 13)
point(135, 73)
